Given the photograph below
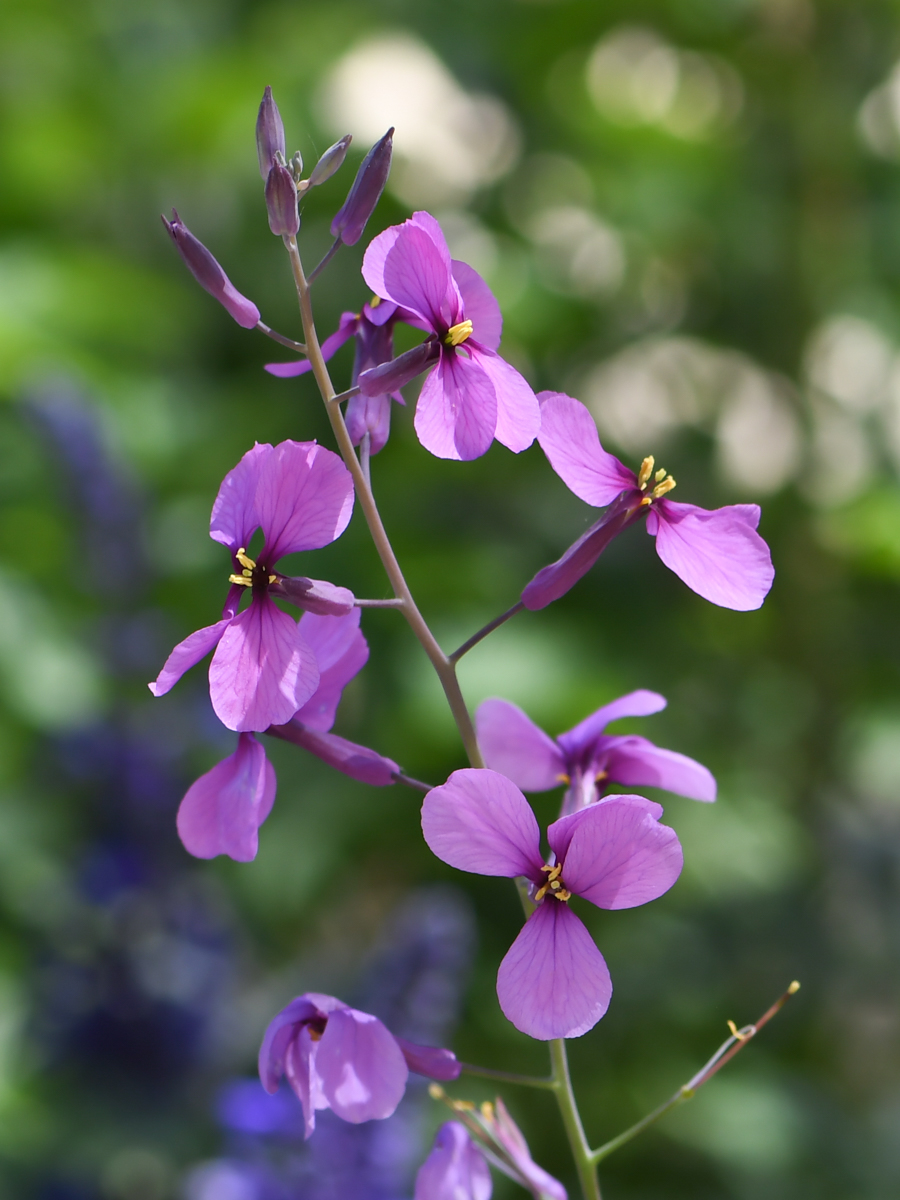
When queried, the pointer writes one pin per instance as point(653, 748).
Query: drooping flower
point(455, 1169)
point(337, 1057)
point(585, 758)
point(373, 329)
point(553, 982)
point(473, 395)
point(263, 670)
point(717, 553)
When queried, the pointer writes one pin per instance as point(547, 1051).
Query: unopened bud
point(394, 374)
point(296, 165)
point(330, 161)
point(269, 133)
point(365, 192)
point(209, 274)
point(281, 201)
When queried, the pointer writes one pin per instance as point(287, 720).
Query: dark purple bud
point(400, 370)
point(432, 1061)
point(269, 133)
point(365, 193)
point(315, 595)
point(359, 762)
point(281, 201)
point(209, 274)
point(330, 161)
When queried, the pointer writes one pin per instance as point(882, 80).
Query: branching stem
point(483, 632)
point(280, 338)
point(534, 1081)
point(329, 255)
point(568, 1110)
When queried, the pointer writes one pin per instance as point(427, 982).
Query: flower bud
point(209, 274)
point(281, 201)
point(269, 133)
point(330, 161)
point(394, 374)
point(365, 192)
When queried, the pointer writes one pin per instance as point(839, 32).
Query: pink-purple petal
point(456, 413)
point(431, 1061)
point(186, 655)
point(518, 411)
point(640, 703)
point(513, 745)
point(341, 653)
point(262, 670)
point(362, 1069)
point(635, 762)
point(570, 440)
point(417, 276)
point(553, 982)
point(315, 595)
point(234, 518)
point(479, 305)
point(279, 1032)
point(304, 499)
point(300, 1072)
point(479, 821)
point(222, 811)
point(455, 1168)
point(717, 553)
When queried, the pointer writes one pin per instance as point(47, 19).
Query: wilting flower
point(209, 274)
point(336, 1057)
point(586, 758)
point(373, 329)
point(263, 670)
point(455, 1169)
point(553, 982)
point(717, 553)
point(472, 396)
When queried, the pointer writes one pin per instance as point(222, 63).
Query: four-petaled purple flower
point(337, 1057)
point(455, 1169)
point(585, 758)
point(553, 982)
point(472, 396)
point(263, 670)
point(717, 553)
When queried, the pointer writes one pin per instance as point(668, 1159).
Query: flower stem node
point(457, 334)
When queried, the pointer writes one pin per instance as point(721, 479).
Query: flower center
point(457, 334)
point(251, 575)
point(664, 483)
point(554, 885)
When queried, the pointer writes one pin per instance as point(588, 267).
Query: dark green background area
point(765, 227)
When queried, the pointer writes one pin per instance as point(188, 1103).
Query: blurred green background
point(688, 210)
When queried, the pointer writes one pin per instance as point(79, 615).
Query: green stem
point(680, 1096)
point(511, 1077)
point(568, 1110)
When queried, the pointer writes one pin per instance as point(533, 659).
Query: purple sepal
point(394, 374)
point(350, 220)
point(209, 274)
point(331, 161)
point(269, 133)
point(555, 580)
point(432, 1061)
point(455, 1169)
point(221, 813)
point(314, 595)
point(281, 202)
point(359, 762)
point(370, 415)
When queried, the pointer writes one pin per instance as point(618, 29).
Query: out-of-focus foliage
point(690, 213)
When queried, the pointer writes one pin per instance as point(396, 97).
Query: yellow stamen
point(457, 334)
point(272, 578)
point(487, 1110)
point(244, 559)
point(239, 579)
point(647, 500)
point(600, 776)
point(374, 302)
point(563, 779)
point(646, 471)
point(553, 885)
point(794, 988)
point(660, 474)
point(436, 1092)
point(661, 488)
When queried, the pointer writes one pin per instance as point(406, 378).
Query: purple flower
point(586, 758)
point(553, 982)
point(222, 811)
point(209, 274)
point(717, 553)
point(473, 395)
point(373, 329)
point(339, 1058)
point(455, 1169)
point(263, 669)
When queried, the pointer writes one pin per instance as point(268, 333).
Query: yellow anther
point(600, 776)
point(563, 894)
point(647, 500)
point(374, 302)
point(436, 1092)
point(555, 885)
point(739, 1034)
point(563, 779)
point(794, 988)
point(661, 488)
point(463, 1105)
point(646, 471)
point(247, 573)
point(239, 579)
point(660, 474)
point(244, 559)
point(457, 334)
point(272, 578)
point(487, 1110)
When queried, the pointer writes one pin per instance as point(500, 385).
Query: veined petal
point(406, 265)
point(315, 595)
point(553, 982)
point(234, 518)
point(479, 821)
point(186, 655)
point(635, 762)
point(430, 1060)
point(479, 305)
point(362, 1069)
point(618, 855)
point(455, 1169)
point(262, 670)
point(518, 411)
point(222, 811)
point(341, 652)
point(569, 438)
point(456, 413)
point(640, 703)
point(304, 499)
point(717, 553)
point(513, 745)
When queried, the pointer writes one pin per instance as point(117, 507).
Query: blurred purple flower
point(553, 982)
point(505, 1146)
point(455, 1169)
point(586, 758)
point(209, 274)
point(473, 395)
point(263, 670)
point(337, 1057)
point(717, 553)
